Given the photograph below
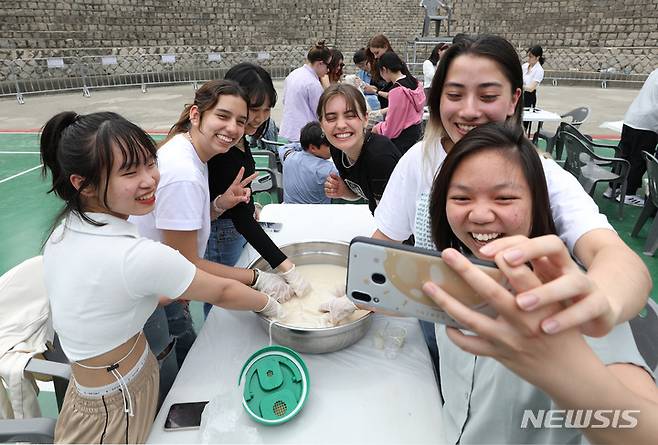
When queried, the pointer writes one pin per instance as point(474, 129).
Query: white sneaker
point(633, 200)
point(609, 193)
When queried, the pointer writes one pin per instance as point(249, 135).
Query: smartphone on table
point(184, 416)
point(389, 276)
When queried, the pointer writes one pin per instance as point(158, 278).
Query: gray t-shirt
point(485, 401)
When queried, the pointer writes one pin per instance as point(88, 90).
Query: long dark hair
point(335, 68)
point(257, 84)
point(205, 99)
point(73, 144)
point(435, 55)
point(392, 62)
point(492, 47)
point(510, 141)
point(377, 41)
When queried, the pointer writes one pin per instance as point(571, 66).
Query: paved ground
point(160, 107)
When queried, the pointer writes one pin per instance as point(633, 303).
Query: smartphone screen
point(271, 226)
point(184, 416)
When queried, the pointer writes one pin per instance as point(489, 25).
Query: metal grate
point(280, 408)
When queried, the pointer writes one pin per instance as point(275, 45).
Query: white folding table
point(357, 395)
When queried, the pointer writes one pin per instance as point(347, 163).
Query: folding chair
point(577, 115)
point(433, 14)
point(590, 168)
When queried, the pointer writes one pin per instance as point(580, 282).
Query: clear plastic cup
point(394, 338)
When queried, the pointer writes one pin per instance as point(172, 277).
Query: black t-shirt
point(222, 170)
point(369, 174)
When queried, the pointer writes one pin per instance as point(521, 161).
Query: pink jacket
point(405, 108)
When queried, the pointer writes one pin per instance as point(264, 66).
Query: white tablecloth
point(356, 395)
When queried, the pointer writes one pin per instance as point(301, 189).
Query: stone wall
point(586, 35)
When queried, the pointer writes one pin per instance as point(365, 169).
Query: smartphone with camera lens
point(184, 416)
point(382, 275)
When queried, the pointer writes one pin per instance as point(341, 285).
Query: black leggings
point(529, 101)
point(633, 142)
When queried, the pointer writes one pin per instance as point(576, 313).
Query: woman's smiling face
point(488, 198)
point(474, 93)
point(343, 126)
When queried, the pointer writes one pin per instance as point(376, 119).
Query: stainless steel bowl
point(315, 340)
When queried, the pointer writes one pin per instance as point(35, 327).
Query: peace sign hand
point(236, 193)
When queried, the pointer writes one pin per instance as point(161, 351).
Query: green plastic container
point(276, 384)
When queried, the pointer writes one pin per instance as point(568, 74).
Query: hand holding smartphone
point(388, 276)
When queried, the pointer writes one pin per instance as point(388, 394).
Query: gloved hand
point(274, 285)
point(338, 309)
point(299, 284)
point(273, 309)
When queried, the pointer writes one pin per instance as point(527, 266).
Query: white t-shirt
point(428, 73)
point(643, 112)
point(403, 209)
point(536, 74)
point(182, 200)
point(103, 282)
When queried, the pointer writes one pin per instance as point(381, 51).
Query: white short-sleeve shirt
point(104, 282)
point(403, 209)
point(182, 200)
point(536, 74)
point(643, 111)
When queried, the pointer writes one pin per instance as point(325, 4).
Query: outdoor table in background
point(534, 115)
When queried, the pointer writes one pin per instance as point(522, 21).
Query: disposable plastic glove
point(338, 309)
point(299, 284)
point(274, 285)
point(273, 309)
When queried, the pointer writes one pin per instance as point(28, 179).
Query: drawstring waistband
point(122, 380)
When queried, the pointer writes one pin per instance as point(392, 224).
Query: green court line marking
point(21, 173)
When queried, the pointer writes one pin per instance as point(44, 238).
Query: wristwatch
point(256, 275)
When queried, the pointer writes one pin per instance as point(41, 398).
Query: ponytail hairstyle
point(319, 53)
point(510, 141)
point(73, 144)
point(538, 52)
point(205, 99)
point(392, 62)
point(257, 84)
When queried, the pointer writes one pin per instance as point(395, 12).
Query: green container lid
point(276, 384)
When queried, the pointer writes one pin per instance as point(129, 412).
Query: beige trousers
point(86, 419)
